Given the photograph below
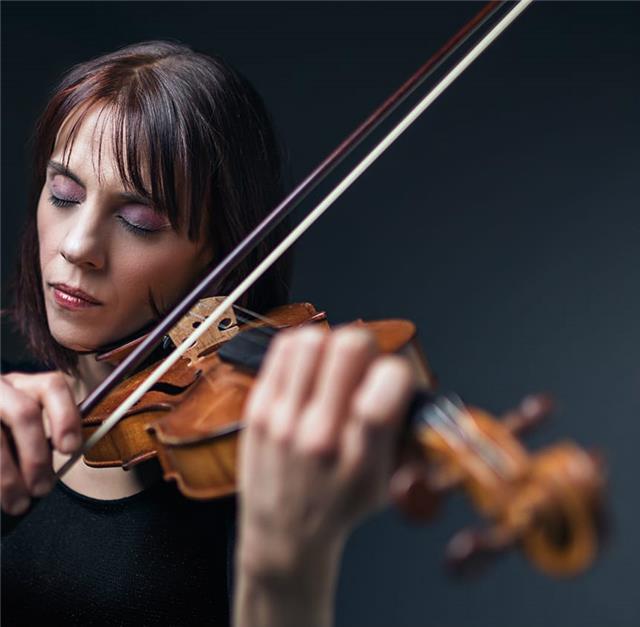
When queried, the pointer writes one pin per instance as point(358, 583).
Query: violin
point(191, 420)
point(186, 409)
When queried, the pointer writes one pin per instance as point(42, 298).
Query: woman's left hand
point(316, 457)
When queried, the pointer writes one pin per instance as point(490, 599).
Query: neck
point(90, 374)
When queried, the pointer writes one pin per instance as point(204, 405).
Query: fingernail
point(19, 507)
point(70, 443)
point(42, 487)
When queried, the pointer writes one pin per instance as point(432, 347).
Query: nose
point(84, 243)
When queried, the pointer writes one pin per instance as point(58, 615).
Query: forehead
point(85, 144)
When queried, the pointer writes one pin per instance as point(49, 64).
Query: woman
point(150, 164)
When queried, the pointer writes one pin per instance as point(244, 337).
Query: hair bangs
point(149, 147)
point(189, 134)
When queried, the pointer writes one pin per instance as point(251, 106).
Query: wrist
point(285, 587)
point(283, 562)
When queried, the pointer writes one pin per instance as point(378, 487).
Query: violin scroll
point(549, 502)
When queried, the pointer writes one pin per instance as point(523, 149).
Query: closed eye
point(136, 229)
point(61, 202)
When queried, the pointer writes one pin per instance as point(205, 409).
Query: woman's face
point(103, 251)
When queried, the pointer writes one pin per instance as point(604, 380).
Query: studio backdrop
point(505, 224)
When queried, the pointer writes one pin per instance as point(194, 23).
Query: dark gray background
point(505, 224)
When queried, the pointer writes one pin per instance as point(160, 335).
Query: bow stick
point(280, 212)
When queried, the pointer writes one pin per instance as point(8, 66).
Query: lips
point(72, 297)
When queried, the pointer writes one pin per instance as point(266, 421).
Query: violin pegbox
point(224, 330)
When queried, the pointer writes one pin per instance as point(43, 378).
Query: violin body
point(190, 420)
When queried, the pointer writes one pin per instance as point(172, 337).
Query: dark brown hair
point(201, 133)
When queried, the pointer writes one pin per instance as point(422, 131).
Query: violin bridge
point(220, 332)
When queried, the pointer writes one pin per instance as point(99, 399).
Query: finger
point(23, 415)
point(383, 397)
point(307, 349)
point(269, 381)
point(53, 393)
point(369, 445)
point(377, 410)
point(346, 357)
point(14, 496)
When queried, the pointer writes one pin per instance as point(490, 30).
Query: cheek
point(167, 271)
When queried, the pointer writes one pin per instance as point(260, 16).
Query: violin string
point(471, 433)
point(256, 315)
point(449, 416)
point(486, 445)
point(265, 333)
point(298, 231)
point(268, 332)
point(243, 319)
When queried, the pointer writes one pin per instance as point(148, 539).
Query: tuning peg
point(417, 493)
point(470, 550)
point(529, 414)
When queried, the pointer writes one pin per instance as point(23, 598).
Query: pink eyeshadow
point(66, 189)
point(145, 217)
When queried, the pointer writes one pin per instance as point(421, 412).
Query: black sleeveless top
point(154, 558)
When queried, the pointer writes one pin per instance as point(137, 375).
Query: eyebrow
point(60, 168)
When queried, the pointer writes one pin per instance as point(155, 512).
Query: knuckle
point(318, 447)
point(352, 342)
point(316, 439)
point(281, 423)
point(53, 382)
point(25, 412)
point(281, 434)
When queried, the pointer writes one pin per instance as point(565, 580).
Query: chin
point(76, 340)
point(75, 345)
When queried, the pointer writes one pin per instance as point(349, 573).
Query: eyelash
point(136, 230)
point(60, 202)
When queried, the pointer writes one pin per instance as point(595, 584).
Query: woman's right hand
point(26, 400)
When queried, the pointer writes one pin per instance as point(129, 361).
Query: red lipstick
point(72, 298)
